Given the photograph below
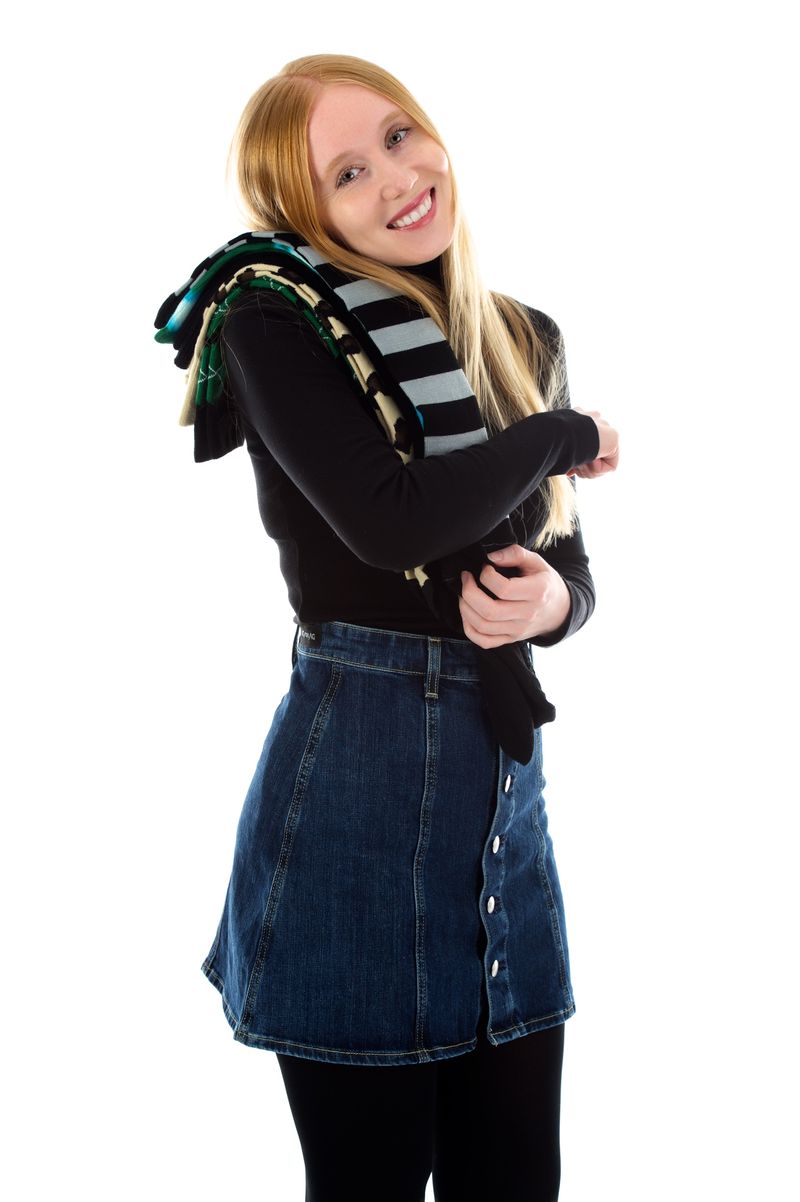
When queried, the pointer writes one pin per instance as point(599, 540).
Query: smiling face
point(382, 184)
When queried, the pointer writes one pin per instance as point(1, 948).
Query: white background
point(628, 168)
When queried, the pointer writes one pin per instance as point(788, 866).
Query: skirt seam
point(530, 1026)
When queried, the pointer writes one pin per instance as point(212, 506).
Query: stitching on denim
point(497, 941)
point(432, 673)
point(227, 1010)
point(212, 974)
point(244, 1036)
point(555, 924)
point(212, 955)
point(352, 663)
point(420, 1052)
point(403, 634)
point(287, 841)
point(313, 1047)
point(567, 1011)
point(431, 754)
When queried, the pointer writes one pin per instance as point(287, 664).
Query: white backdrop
point(628, 168)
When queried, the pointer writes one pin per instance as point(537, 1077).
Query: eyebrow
point(351, 154)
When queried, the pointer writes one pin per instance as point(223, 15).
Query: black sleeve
point(300, 403)
point(568, 557)
point(568, 554)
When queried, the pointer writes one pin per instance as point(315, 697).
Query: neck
point(432, 270)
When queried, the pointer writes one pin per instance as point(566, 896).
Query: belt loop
point(434, 665)
point(294, 646)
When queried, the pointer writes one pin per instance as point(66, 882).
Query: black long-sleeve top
point(347, 514)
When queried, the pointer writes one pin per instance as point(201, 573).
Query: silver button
point(495, 966)
point(490, 904)
point(495, 843)
point(507, 784)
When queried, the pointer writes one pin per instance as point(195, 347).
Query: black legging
point(486, 1124)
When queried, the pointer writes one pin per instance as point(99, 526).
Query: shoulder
point(546, 328)
point(263, 326)
point(270, 350)
point(258, 307)
point(547, 355)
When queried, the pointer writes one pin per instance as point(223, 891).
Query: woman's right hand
point(607, 455)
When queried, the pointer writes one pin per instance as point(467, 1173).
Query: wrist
point(548, 638)
point(558, 607)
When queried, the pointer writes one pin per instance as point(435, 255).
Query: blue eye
point(401, 129)
point(341, 181)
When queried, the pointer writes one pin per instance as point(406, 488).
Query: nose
point(397, 180)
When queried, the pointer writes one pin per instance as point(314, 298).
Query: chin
point(416, 250)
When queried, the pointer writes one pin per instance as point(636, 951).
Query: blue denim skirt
point(393, 882)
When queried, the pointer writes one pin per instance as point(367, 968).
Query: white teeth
point(415, 215)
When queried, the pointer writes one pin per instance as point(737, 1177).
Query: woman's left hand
point(531, 604)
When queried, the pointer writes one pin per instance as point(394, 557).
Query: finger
point(485, 609)
point(589, 471)
point(475, 635)
point(474, 596)
point(513, 555)
point(492, 635)
point(517, 556)
point(527, 589)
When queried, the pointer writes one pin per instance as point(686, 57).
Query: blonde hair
point(511, 370)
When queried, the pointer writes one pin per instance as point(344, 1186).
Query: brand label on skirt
point(310, 634)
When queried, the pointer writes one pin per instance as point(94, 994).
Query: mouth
point(420, 212)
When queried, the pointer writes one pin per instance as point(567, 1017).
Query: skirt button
point(490, 905)
point(495, 966)
point(507, 783)
point(495, 843)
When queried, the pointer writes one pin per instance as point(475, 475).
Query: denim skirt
point(393, 887)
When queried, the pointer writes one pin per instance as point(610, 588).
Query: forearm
point(301, 405)
point(568, 558)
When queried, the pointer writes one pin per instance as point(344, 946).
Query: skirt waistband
point(388, 650)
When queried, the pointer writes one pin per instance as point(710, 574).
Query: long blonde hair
point(511, 370)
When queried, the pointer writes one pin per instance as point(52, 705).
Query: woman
point(393, 927)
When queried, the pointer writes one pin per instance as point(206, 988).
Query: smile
point(418, 215)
